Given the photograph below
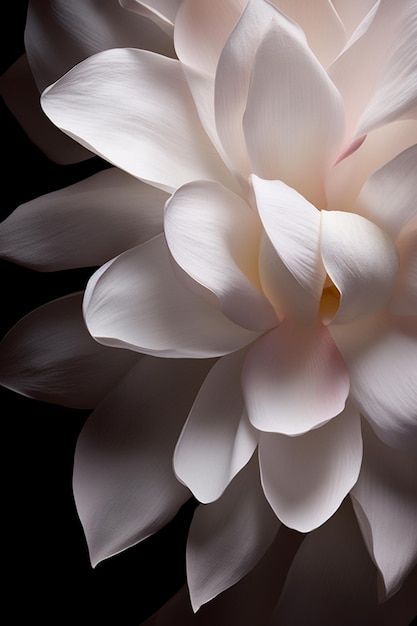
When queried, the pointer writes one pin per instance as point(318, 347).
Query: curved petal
point(60, 34)
point(214, 236)
point(229, 537)
point(293, 226)
point(384, 499)
point(352, 12)
point(124, 486)
point(294, 379)
point(135, 301)
point(361, 261)
point(388, 196)
point(217, 439)
point(381, 355)
point(306, 478)
point(54, 232)
point(50, 356)
point(294, 119)
point(166, 9)
point(333, 581)
point(123, 103)
point(316, 19)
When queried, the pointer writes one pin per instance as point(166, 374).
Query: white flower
point(258, 232)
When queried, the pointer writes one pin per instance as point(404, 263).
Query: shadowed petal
point(306, 478)
point(124, 486)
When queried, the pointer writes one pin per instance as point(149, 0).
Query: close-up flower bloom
point(247, 336)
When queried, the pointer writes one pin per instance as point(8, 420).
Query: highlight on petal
point(294, 119)
point(381, 355)
point(294, 379)
point(217, 439)
point(388, 196)
point(136, 301)
point(306, 478)
point(124, 486)
point(214, 236)
point(134, 108)
point(385, 505)
point(227, 538)
point(54, 232)
point(166, 9)
point(333, 581)
point(361, 261)
point(50, 356)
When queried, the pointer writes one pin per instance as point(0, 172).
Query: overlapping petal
point(294, 118)
point(306, 478)
point(136, 301)
point(385, 505)
point(83, 225)
point(134, 108)
point(217, 439)
point(214, 236)
point(227, 538)
point(124, 486)
point(50, 356)
point(294, 379)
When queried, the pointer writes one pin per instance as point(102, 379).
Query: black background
point(49, 577)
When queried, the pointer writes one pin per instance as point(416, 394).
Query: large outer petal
point(333, 581)
point(124, 486)
point(217, 439)
point(294, 379)
point(134, 108)
point(214, 236)
point(227, 538)
point(50, 356)
point(306, 478)
point(362, 262)
point(83, 225)
point(294, 118)
point(384, 499)
point(136, 301)
point(381, 355)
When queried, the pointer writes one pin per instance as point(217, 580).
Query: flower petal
point(217, 439)
point(166, 9)
point(214, 236)
point(388, 196)
point(362, 262)
point(294, 379)
point(404, 301)
point(135, 301)
point(385, 504)
point(54, 232)
point(381, 355)
point(333, 581)
point(294, 119)
point(50, 356)
point(228, 537)
point(306, 478)
point(124, 486)
point(352, 12)
point(123, 103)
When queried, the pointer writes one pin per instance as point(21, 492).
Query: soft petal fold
point(214, 236)
point(294, 118)
point(388, 196)
point(124, 486)
point(404, 301)
point(381, 354)
point(50, 356)
point(362, 262)
point(134, 108)
point(136, 301)
point(306, 478)
point(384, 499)
point(217, 439)
point(294, 379)
point(227, 538)
point(166, 9)
point(333, 581)
point(352, 12)
point(54, 232)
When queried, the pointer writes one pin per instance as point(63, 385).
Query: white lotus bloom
point(252, 329)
